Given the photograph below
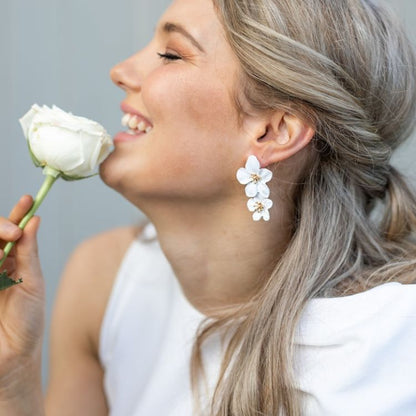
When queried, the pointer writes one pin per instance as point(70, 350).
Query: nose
point(126, 75)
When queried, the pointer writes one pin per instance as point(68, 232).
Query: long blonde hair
point(347, 67)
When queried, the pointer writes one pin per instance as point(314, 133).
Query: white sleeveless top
point(356, 354)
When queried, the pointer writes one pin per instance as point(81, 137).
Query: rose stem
point(43, 191)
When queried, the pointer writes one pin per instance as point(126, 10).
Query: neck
point(220, 256)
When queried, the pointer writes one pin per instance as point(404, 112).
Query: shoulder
point(89, 275)
point(105, 249)
point(75, 370)
point(96, 260)
point(374, 313)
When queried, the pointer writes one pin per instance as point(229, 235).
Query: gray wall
point(60, 52)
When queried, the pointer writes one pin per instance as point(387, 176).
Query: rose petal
point(252, 165)
point(90, 150)
point(107, 144)
point(251, 189)
point(56, 148)
point(243, 176)
point(27, 119)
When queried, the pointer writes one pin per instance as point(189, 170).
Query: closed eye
point(168, 56)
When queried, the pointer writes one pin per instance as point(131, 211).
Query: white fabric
point(357, 354)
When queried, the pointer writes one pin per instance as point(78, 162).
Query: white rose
point(74, 146)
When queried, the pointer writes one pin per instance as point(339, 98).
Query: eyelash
point(168, 57)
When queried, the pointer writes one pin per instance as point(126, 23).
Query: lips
point(127, 109)
point(138, 125)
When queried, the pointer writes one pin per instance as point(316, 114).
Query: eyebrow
point(169, 27)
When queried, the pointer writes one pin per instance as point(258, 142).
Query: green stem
point(51, 177)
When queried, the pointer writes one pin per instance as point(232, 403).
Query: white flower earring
point(255, 179)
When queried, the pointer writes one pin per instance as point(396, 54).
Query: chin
point(114, 174)
point(106, 172)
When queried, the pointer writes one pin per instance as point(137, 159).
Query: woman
point(306, 299)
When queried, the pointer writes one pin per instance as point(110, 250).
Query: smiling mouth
point(135, 124)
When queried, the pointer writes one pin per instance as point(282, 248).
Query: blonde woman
point(278, 275)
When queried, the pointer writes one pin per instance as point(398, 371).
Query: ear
point(280, 136)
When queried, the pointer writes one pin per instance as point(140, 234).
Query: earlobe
point(286, 134)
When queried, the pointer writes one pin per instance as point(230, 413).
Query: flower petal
point(263, 190)
point(27, 119)
point(253, 165)
point(251, 189)
point(251, 204)
point(267, 203)
point(243, 176)
point(266, 215)
point(257, 215)
point(266, 175)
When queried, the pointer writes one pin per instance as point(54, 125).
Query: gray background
point(60, 52)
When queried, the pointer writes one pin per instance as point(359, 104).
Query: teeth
point(132, 122)
point(125, 120)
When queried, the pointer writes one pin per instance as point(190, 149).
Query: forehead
point(195, 7)
point(198, 16)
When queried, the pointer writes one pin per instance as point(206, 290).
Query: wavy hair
point(348, 68)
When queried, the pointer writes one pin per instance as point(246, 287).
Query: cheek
point(192, 114)
point(194, 97)
point(196, 147)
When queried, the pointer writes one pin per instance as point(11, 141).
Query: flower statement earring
point(255, 179)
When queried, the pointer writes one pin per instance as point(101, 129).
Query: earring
point(255, 179)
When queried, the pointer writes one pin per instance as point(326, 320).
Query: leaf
point(6, 281)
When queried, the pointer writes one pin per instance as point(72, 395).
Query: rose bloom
point(72, 145)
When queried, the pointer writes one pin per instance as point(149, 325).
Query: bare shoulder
point(96, 260)
point(75, 369)
point(104, 252)
point(91, 271)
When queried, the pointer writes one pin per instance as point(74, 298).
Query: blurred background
point(60, 52)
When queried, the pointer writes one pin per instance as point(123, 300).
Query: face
point(181, 87)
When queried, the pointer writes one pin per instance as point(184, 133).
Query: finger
point(9, 231)
point(27, 265)
point(27, 245)
point(27, 259)
point(21, 208)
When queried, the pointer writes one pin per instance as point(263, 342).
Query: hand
point(21, 306)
